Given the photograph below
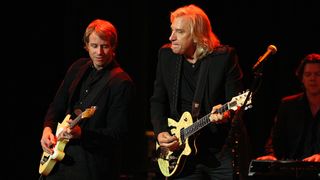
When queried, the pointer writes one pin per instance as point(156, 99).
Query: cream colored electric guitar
point(171, 162)
point(48, 161)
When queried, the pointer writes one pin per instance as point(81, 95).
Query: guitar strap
point(198, 95)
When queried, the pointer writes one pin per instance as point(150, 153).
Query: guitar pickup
point(44, 159)
point(172, 158)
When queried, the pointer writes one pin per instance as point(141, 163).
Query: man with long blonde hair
point(196, 74)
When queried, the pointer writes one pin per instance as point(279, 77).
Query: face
point(311, 78)
point(100, 51)
point(181, 38)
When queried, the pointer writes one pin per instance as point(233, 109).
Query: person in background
point(94, 145)
point(296, 132)
point(180, 72)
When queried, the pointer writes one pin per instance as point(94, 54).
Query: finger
point(215, 117)
point(53, 139)
point(174, 145)
point(306, 160)
point(215, 108)
point(46, 147)
point(166, 135)
point(69, 121)
point(166, 140)
point(62, 136)
point(172, 138)
point(266, 158)
point(67, 135)
point(45, 143)
point(68, 130)
point(169, 145)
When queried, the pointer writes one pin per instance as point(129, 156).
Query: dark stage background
point(44, 38)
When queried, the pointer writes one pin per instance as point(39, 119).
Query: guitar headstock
point(238, 101)
point(88, 112)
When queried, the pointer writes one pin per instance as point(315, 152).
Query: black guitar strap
point(198, 95)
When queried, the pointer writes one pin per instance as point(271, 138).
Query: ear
point(86, 47)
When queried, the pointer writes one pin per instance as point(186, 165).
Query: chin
point(176, 51)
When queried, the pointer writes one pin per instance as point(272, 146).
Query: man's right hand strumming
point(167, 141)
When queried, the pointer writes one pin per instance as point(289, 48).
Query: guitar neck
point(75, 121)
point(85, 114)
point(200, 123)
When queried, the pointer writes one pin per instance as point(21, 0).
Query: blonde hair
point(104, 30)
point(200, 28)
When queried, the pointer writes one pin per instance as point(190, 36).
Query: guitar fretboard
point(75, 121)
point(200, 123)
point(86, 114)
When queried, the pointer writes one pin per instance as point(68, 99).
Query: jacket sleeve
point(159, 104)
point(59, 106)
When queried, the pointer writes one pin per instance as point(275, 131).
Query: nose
point(172, 36)
point(100, 50)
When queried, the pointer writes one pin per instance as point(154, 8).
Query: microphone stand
point(237, 126)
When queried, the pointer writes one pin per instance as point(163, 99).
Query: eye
point(93, 45)
point(309, 74)
point(180, 31)
point(106, 46)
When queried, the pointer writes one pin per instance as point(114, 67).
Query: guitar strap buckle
point(195, 109)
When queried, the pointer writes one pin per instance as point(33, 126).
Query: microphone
point(271, 50)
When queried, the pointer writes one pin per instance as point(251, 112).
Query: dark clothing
point(296, 133)
point(220, 168)
point(97, 154)
point(174, 91)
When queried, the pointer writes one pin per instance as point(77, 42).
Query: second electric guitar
point(48, 161)
point(171, 162)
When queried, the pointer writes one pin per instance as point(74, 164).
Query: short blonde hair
point(104, 29)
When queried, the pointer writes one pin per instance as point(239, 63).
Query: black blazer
point(224, 81)
point(97, 152)
point(295, 126)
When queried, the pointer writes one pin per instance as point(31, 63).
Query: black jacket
point(224, 81)
point(96, 154)
point(296, 134)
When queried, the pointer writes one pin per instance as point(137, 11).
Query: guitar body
point(172, 162)
point(48, 161)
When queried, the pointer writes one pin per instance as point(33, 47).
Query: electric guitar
point(48, 161)
point(171, 162)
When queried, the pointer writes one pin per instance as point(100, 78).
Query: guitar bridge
point(172, 162)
